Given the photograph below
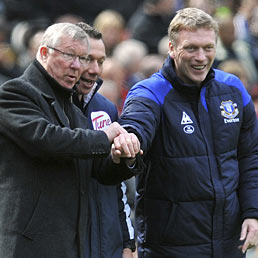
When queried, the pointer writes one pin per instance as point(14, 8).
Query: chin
point(68, 86)
point(199, 80)
point(84, 92)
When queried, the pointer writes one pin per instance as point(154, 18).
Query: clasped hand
point(124, 144)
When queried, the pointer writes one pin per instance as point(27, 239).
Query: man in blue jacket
point(198, 196)
point(112, 232)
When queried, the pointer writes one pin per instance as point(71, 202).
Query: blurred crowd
point(135, 35)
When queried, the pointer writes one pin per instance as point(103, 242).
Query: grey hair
point(129, 52)
point(55, 32)
point(190, 19)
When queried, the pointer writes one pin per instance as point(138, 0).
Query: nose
point(94, 67)
point(76, 63)
point(200, 54)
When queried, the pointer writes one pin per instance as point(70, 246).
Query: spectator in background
point(235, 67)
point(22, 42)
point(254, 35)
point(149, 65)
point(150, 21)
point(231, 5)
point(8, 57)
point(208, 6)
point(242, 19)
point(112, 232)
point(69, 17)
point(111, 91)
point(30, 50)
point(163, 47)
point(8, 63)
point(254, 95)
point(129, 54)
point(17, 10)
point(229, 47)
point(113, 71)
point(112, 26)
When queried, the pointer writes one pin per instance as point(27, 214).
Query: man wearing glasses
point(46, 153)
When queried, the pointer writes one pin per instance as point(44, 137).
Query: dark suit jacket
point(44, 170)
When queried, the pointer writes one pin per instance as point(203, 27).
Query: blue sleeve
point(143, 108)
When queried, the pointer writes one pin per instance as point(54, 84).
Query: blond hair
point(190, 19)
point(109, 18)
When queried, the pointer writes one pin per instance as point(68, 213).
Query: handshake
point(124, 144)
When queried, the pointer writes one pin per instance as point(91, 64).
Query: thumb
point(115, 154)
point(243, 231)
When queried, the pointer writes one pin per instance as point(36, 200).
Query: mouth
point(199, 67)
point(72, 77)
point(87, 82)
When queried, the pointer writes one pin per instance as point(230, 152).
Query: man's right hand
point(114, 130)
point(126, 145)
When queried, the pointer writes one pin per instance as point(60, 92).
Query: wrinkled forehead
point(197, 33)
point(77, 45)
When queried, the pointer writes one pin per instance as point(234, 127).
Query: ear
point(43, 53)
point(171, 49)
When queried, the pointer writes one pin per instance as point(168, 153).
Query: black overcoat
point(44, 168)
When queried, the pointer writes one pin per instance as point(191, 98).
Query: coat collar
point(80, 103)
point(168, 71)
point(49, 88)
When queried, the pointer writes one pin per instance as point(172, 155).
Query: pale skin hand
point(127, 253)
point(249, 233)
point(125, 146)
point(113, 131)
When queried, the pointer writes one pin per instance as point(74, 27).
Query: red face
point(93, 70)
point(67, 73)
point(194, 54)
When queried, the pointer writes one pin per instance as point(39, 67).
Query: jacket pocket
point(190, 223)
point(50, 216)
point(181, 223)
point(30, 230)
point(157, 215)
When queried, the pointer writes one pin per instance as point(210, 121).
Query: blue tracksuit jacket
point(111, 228)
point(201, 148)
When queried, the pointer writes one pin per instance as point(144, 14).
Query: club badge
point(229, 110)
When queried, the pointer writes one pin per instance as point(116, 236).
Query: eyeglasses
point(71, 57)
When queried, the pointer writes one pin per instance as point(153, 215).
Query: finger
point(248, 242)
point(117, 143)
point(132, 146)
point(127, 147)
point(121, 144)
point(115, 151)
point(136, 144)
point(115, 154)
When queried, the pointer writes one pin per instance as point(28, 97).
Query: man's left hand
point(249, 233)
point(127, 253)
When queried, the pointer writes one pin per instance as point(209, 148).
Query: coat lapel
point(60, 113)
point(40, 82)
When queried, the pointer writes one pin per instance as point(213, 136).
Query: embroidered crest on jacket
point(229, 110)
